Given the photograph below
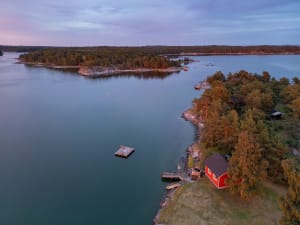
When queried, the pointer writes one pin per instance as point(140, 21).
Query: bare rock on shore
point(189, 115)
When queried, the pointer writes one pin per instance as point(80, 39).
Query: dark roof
point(217, 164)
point(276, 114)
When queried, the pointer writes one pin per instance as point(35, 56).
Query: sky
point(149, 22)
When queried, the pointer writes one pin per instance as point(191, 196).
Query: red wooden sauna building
point(216, 170)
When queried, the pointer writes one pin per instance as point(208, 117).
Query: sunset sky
point(155, 22)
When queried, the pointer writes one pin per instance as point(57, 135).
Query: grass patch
point(190, 161)
point(201, 203)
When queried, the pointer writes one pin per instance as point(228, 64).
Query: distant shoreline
point(231, 54)
point(96, 71)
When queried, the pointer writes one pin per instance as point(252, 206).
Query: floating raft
point(124, 151)
point(171, 176)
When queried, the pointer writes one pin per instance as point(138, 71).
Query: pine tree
point(201, 106)
point(248, 123)
point(247, 167)
point(295, 107)
point(271, 149)
point(230, 127)
point(212, 132)
point(290, 203)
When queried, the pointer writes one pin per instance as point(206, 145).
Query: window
point(208, 171)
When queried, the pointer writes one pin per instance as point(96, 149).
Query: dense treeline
point(8, 48)
point(237, 112)
point(119, 57)
point(223, 49)
point(136, 57)
point(202, 50)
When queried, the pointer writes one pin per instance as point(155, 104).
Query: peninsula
point(254, 121)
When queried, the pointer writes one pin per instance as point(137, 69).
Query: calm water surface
point(59, 132)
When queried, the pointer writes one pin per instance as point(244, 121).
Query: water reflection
point(139, 75)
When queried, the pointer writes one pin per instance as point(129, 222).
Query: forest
point(138, 57)
point(254, 119)
point(118, 57)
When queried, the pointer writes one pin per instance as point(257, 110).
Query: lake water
point(59, 132)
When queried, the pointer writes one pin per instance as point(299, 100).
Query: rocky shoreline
point(190, 116)
point(96, 71)
point(102, 71)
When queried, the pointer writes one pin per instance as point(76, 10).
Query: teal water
point(59, 132)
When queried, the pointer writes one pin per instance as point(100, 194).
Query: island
point(107, 61)
point(102, 61)
point(249, 126)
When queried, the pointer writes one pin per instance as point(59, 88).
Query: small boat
point(205, 85)
point(173, 186)
point(185, 68)
point(202, 85)
point(198, 86)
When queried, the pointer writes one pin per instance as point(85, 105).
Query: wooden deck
point(124, 151)
point(171, 176)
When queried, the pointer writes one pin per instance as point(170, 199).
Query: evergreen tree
point(266, 76)
point(295, 107)
point(290, 93)
point(201, 106)
point(248, 123)
point(290, 203)
point(247, 167)
point(217, 76)
point(230, 128)
point(212, 133)
point(296, 80)
point(271, 149)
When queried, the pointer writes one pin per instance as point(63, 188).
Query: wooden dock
point(124, 151)
point(173, 186)
point(171, 176)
